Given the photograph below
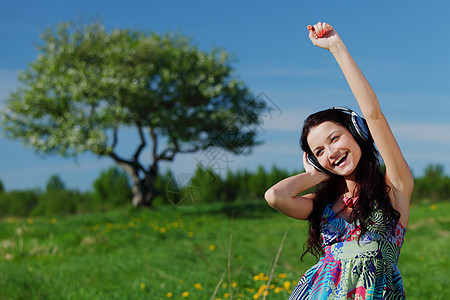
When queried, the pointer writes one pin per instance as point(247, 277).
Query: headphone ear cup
point(360, 126)
point(312, 160)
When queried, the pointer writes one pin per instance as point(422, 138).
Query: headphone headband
point(359, 124)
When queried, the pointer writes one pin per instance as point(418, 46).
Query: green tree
point(2, 188)
point(112, 187)
point(55, 183)
point(88, 83)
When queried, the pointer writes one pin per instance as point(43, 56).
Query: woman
point(357, 215)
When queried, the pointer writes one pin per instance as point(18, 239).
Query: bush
point(112, 188)
point(18, 203)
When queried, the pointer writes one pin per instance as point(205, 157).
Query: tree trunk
point(144, 190)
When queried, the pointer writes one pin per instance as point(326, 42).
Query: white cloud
point(423, 132)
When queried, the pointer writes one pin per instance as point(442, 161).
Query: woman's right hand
point(311, 169)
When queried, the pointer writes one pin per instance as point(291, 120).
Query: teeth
point(340, 159)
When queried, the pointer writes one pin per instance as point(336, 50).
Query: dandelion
point(226, 295)
point(277, 290)
point(287, 285)
point(224, 285)
point(162, 230)
point(169, 295)
point(53, 220)
point(185, 294)
point(260, 277)
point(212, 247)
point(190, 234)
point(282, 275)
point(198, 286)
point(142, 286)
point(433, 206)
point(30, 221)
point(234, 284)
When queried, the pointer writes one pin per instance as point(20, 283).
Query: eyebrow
point(328, 137)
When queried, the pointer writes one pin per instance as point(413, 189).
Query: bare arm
point(398, 174)
point(283, 196)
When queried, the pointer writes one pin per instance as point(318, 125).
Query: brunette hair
point(371, 187)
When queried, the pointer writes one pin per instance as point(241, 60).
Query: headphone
point(358, 128)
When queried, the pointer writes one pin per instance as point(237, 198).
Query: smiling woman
point(357, 215)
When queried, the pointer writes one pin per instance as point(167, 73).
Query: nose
point(333, 153)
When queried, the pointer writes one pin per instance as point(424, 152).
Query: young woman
point(357, 215)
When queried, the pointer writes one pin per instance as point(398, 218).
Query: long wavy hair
point(371, 187)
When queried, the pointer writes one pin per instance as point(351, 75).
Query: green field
point(190, 253)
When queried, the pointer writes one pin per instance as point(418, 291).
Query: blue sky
point(401, 46)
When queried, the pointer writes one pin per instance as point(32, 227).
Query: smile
point(341, 160)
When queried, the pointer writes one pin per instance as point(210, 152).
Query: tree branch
point(114, 138)
point(155, 144)
point(130, 164)
point(142, 145)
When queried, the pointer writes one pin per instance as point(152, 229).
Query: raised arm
point(283, 196)
point(398, 174)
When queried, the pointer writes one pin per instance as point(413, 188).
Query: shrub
point(112, 188)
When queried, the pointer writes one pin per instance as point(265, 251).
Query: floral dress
point(348, 270)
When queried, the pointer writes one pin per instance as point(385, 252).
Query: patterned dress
point(348, 270)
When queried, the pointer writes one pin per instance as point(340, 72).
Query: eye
point(319, 152)
point(335, 138)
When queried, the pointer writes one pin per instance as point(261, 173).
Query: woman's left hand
point(323, 35)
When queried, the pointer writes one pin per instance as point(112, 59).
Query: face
point(335, 148)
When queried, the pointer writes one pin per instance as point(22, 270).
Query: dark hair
point(371, 187)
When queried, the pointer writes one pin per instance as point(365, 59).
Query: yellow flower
point(433, 206)
point(282, 275)
point(224, 285)
point(190, 234)
point(277, 290)
point(142, 286)
point(287, 285)
point(169, 295)
point(163, 230)
point(30, 221)
point(234, 284)
point(226, 295)
point(53, 220)
point(198, 286)
point(262, 288)
point(185, 294)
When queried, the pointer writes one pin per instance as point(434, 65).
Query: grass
point(184, 253)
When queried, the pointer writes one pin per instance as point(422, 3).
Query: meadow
point(208, 251)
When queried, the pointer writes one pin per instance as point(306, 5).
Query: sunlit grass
point(184, 253)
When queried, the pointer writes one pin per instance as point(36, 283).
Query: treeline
point(112, 190)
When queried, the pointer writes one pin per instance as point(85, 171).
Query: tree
point(55, 183)
point(112, 187)
point(87, 84)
